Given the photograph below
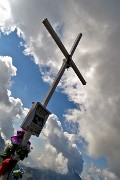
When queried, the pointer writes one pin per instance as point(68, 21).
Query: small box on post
point(35, 119)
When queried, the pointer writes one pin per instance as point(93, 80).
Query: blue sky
point(26, 45)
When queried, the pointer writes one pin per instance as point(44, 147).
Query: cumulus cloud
point(97, 57)
point(10, 108)
point(53, 160)
point(7, 71)
point(94, 173)
point(58, 151)
point(98, 102)
point(64, 143)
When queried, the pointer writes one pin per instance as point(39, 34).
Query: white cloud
point(63, 143)
point(7, 71)
point(10, 108)
point(53, 160)
point(6, 24)
point(94, 173)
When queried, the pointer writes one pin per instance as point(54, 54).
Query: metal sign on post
point(35, 119)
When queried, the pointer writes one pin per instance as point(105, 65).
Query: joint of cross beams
point(69, 61)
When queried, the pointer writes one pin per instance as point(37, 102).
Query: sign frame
point(35, 119)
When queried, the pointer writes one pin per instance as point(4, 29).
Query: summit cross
point(38, 114)
point(67, 62)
